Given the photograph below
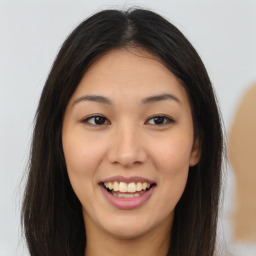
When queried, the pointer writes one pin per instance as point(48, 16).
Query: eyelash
point(169, 120)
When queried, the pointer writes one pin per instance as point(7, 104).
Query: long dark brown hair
point(52, 214)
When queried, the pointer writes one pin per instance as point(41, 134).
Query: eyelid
point(85, 120)
point(168, 118)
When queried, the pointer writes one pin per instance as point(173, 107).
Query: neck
point(154, 243)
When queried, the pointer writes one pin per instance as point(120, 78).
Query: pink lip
point(128, 179)
point(127, 203)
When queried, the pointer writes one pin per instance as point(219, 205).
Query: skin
point(129, 143)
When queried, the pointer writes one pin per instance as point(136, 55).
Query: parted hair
point(52, 217)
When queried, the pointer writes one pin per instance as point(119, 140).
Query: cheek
point(82, 162)
point(173, 156)
point(81, 155)
point(172, 162)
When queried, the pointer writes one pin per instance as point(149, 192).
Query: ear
point(195, 153)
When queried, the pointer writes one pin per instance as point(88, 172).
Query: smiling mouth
point(127, 190)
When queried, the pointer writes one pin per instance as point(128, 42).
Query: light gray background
point(31, 33)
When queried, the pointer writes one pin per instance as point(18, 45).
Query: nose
point(127, 148)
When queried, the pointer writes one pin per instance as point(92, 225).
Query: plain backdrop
point(31, 33)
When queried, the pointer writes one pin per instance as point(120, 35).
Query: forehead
point(134, 73)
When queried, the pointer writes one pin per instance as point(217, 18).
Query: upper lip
point(128, 179)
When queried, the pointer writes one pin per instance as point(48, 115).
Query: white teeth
point(116, 186)
point(125, 195)
point(124, 187)
point(139, 186)
point(131, 187)
point(110, 185)
point(144, 185)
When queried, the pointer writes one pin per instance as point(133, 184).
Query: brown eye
point(95, 120)
point(161, 120)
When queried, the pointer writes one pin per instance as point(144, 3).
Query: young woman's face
point(128, 143)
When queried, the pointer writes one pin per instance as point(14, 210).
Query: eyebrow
point(147, 100)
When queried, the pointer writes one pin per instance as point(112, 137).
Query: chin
point(128, 233)
point(129, 227)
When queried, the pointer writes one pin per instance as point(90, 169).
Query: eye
point(98, 120)
point(95, 120)
point(161, 120)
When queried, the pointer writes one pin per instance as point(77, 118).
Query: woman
point(127, 146)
